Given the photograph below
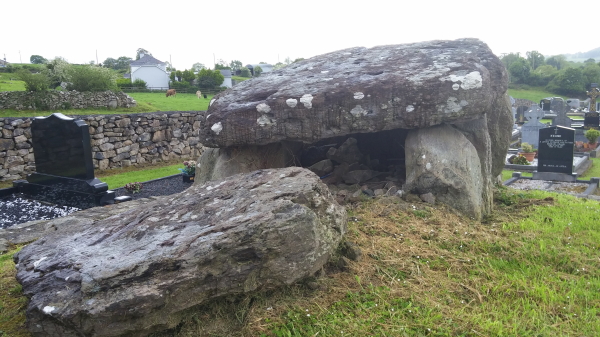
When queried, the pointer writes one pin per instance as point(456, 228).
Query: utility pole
point(214, 61)
point(96, 56)
point(20, 61)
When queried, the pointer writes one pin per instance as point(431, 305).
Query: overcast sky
point(186, 32)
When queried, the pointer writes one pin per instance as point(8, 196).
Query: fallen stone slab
point(135, 272)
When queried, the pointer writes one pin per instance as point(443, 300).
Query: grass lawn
point(532, 94)
point(9, 82)
point(180, 102)
point(118, 177)
point(147, 102)
point(239, 79)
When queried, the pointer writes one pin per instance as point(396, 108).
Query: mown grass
point(534, 94)
point(118, 178)
point(180, 102)
point(146, 102)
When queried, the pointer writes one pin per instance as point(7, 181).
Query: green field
point(9, 82)
point(532, 94)
point(180, 102)
point(147, 102)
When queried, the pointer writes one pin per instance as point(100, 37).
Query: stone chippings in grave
point(15, 210)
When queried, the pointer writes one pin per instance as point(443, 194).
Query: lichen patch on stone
point(211, 102)
point(410, 108)
point(307, 100)
point(265, 120)
point(358, 111)
point(472, 80)
point(262, 107)
point(291, 102)
point(48, 309)
point(452, 105)
point(217, 128)
point(359, 95)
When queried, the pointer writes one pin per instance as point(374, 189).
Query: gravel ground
point(546, 185)
point(18, 209)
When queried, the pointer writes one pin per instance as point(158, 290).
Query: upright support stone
point(432, 166)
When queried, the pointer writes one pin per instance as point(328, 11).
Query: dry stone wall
point(51, 100)
point(117, 140)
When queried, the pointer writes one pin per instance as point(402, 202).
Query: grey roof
point(225, 72)
point(127, 75)
point(147, 60)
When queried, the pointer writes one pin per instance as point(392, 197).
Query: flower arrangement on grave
point(189, 168)
point(134, 187)
point(527, 151)
point(518, 160)
point(592, 135)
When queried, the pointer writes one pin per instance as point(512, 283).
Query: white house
point(151, 71)
point(227, 74)
point(266, 68)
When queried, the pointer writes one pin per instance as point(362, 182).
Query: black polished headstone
point(555, 151)
point(545, 104)
point(64, 167)
point(591, 120)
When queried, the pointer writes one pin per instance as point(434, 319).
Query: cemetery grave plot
point(16, 209)
point(64, 173)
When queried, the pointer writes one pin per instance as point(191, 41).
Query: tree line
point(107, 75)
point(554, 73)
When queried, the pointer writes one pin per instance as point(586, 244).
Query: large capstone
point(358, 91)
point(135, 272)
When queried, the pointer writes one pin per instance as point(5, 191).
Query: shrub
point(527, 148)
point(91, 78)
point(139, 83)
point(245, 72)
point(124, 82)
point(592, 135)
point(34, 82)
point(210, 79)
point(257, 71)
point(183, 87)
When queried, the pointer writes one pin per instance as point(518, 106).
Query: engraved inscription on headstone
point(592, 118)
point(555, 152)
point(62, 147)
point(530, 130)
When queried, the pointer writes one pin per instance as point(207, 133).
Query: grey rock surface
point(360, 90)
point(135, 271)
point(433, 166)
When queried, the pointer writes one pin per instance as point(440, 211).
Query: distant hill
point(580, 57)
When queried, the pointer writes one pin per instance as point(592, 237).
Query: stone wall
point(117, 140)
point(52, 100)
